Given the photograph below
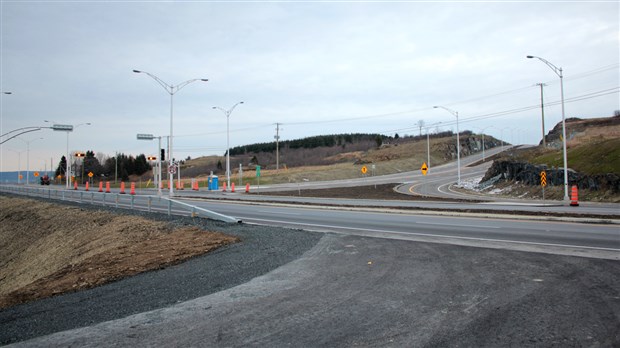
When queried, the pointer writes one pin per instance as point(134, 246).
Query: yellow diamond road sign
point(90, 174)
point(424, 169)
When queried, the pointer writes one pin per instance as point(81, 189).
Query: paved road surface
point(356, 291)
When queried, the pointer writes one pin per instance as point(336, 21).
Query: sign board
point(63, 127)
point(364, 170)
point(90, 174)
point(36, 174)
point(145, 137)
point(543, 178)
point(424, 168)
point(258, 171)
point(172, 169)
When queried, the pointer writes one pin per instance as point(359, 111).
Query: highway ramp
point(359, 291)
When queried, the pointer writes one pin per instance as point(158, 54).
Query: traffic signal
point(163, 154)
point(79, 154)
point(151, 158)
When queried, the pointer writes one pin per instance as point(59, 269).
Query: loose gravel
point(261, 250)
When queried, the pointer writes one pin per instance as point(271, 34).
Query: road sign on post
point(364, 170)
point(424, 168)
point(543, 178)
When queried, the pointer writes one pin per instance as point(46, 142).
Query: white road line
point(335, 228)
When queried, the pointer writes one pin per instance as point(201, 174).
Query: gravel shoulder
point(258, 251)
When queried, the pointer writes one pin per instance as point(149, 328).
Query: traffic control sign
point(424, 168)
point(172, 169)
point(364, 170)
point(90, 174)
point(543, 178)
point(36, 174)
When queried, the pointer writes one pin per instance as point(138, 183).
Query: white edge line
point(432, 235)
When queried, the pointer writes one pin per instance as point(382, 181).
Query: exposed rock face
point(470, 144)
point(529, 174)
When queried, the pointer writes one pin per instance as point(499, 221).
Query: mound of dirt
point(49, 249)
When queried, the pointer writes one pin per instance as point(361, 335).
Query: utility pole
point(542, 110)
point(277, 137)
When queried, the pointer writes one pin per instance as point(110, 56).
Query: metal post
point(542, 111)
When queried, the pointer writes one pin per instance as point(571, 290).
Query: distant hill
point(334, 149)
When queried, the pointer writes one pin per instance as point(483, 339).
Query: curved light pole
point(170, 89)
point(558, 72)
point(28, 157)
point(458, 141)
point(227, 113)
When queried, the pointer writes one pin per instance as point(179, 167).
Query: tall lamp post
point(458, 141)
point(19, 165)
point(227, 113)
point(558, 72)
point(428, 145)
point(66, 128)
point(172, 90)
point(28, 157)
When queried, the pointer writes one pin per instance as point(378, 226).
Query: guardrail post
point(149, 204)
point(104, 200)
point(92, 198)
point(132, 197)
point(63, 195)
point(169, 207)
point(116, 205)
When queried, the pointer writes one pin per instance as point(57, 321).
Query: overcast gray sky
point(315, 67)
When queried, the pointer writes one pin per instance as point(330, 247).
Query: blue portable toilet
point(213, 183)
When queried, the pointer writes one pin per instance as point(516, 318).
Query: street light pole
point(170, 89)
point(428, 146)
point(458, 141)
point(227, 113)
point(559, 72)
point(28, 158)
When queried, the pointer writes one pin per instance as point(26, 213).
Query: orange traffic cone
point(224, 187)
point(247, 188)
point(75, 185)
point(161, 185)
point(122, 187)
point(100, 186)
point(86, 189)
point(169, 184)
point(195, 188)
point(107, 187)
point(232, 187)
point(133, 189)
point(573, 197)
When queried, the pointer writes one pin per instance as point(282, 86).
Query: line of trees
point(308, 143)
point(121, 165)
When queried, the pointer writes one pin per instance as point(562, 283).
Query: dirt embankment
point(48, 249)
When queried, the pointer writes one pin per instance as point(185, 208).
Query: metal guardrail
point(126, 201)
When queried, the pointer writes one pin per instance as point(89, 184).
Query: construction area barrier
point(122, 188)
point(75, 185)
point(247, 188)
point(133, 189)
point(100, 186)
point(232, 187)
point(107, 187)
point(86, 189)
point(574, 202)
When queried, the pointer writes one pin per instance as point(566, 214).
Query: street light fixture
point(28, 157)
point(227, 113)
point(559, 72)
point(170, 89)
point(428, 145)
point(66, 128)
point(458, 141)
point(158, 158)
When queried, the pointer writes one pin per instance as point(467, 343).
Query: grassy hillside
point(593, 147)
point(339, 162)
